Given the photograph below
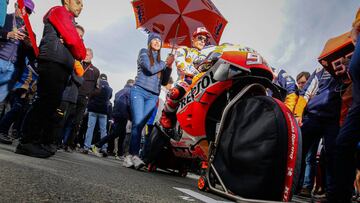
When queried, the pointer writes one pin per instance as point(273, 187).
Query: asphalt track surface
point(76, 177)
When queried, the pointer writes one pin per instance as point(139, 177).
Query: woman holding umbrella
point(152, 73)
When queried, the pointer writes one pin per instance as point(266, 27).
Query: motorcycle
point(247, 143)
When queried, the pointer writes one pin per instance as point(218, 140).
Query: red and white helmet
point(201, 31)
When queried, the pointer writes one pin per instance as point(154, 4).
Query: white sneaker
point(138, 163)
point(128, 163)
point(120, 158)
point(95, 151)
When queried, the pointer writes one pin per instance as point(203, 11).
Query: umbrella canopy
point(334, 50)
point(176, 20)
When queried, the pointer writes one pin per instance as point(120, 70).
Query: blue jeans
point(310, 169)
point(348, 139)
point(7, 70)
point(93, 117)
point(313, 129)
point(18, 109)
point(142, 104)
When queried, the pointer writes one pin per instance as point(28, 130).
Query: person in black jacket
point(66, 112)
point(98, 109)
point(60, 46)
point(89, 86)
point(121, 115)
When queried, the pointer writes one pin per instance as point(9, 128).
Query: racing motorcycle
point(248, 142)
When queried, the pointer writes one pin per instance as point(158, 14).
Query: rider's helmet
point(201, 31)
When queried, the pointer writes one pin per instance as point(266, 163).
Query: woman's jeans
point(142, 104)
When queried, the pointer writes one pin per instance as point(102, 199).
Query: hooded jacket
point(99, 102)
point(122, 103)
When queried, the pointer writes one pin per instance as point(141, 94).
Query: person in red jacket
point(60, 46)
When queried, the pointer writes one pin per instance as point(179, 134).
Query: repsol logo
point(204, 83)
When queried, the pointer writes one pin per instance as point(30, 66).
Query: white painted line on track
point(199, 196)
point(186, 198)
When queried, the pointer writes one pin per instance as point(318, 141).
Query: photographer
point(13, 45)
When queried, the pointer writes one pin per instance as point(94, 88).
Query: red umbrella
point(176, 20)
point(28, 26)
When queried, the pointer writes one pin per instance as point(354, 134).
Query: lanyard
point(87, 67)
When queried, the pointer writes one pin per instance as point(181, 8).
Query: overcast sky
point(290, 34)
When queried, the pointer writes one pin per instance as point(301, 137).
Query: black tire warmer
point(252, 153)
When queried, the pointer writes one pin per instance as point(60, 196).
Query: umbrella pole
point(175, 40)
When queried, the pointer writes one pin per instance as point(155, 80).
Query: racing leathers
point(186, 61)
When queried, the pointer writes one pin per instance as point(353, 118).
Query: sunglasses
point(202, 38)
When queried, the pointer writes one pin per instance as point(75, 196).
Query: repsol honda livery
point(248, 142)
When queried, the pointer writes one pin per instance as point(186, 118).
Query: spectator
point(13, 47)
point(66, 111)
point(121, 115)
point(21, 97)
point(90, 84)
point(318, 114)
point(59, 48)
point(152, 72)
point(98, 110)
point(348, 137)
point(301, 79)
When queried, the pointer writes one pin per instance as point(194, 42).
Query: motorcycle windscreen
point(252, 150)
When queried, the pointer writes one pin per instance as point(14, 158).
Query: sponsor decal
point(218, 28)
point(140, 13)
point(291, 157)
point(206, 81)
